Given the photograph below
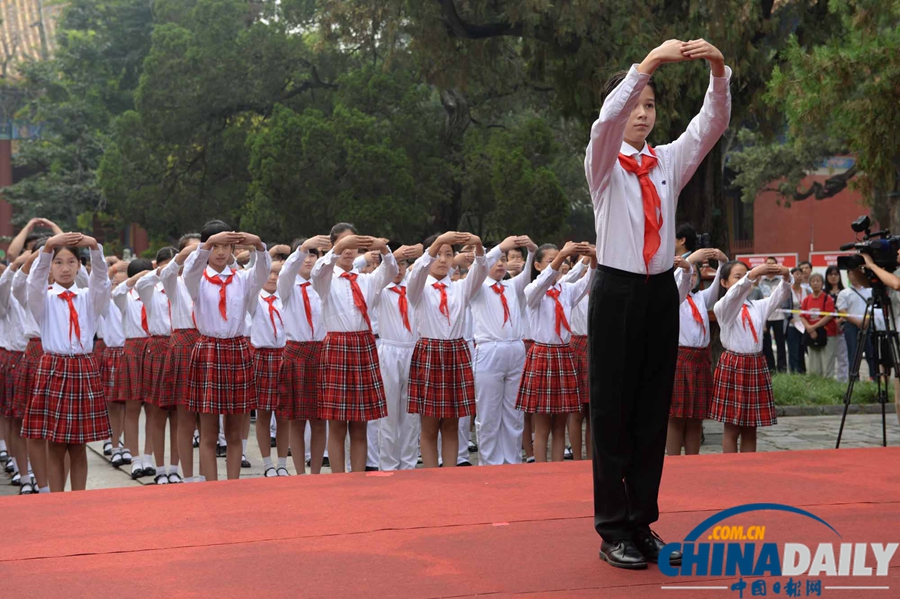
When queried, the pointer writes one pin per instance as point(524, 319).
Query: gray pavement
point(791, 433)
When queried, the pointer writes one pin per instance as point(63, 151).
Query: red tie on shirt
point(561, 320)
point(444, 307)
point(74, 325)
point(653, 220)
point(273, 312)
point(307, 306)
point(403, 304)
point(223, 284)
point(745, 318)
point(144, 324)
point(697, 316)
point(499, 289)
point(359, 300)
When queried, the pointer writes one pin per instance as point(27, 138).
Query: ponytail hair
point(538, 256)
point(726, 274)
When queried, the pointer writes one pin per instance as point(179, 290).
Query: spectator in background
point(794, 336)
point(821, 331)
point(805, 272)
point(833, 287)
point(775, 326)
point(853, 301)
point(685, 240)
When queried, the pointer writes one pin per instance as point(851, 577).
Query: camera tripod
point(887, 354)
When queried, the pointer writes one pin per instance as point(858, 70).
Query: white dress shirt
point(393, 330)
point(737, 336)
point(339, 313)
point(52, 313)
point(154, 297)
point(290, 290)
point(178, 296)
point(20, 293)
point(542, 308)
point(487, 307)
point(616, 193)
point(853, 301)
point(242, 290)
point(6, 300)
point(13, 315)
point(432, 324)
point(131, 307)
point(579, 321)
point(267, 327)
point(691, 333)
point(110, 327)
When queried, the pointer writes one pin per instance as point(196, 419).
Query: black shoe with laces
point(649, 544)
point(622, 555)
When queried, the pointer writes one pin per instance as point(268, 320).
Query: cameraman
point(893, 281)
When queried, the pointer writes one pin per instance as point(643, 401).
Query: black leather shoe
point(649, 544)
point(371, 469)
point(622, 555)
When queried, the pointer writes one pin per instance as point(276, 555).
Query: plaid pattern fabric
point(267, 365)
point(441, 381)
point(693, 383)
point(529, 343)
point(132, 388)
point(4, 367)
point(549, 383)
point(12, 362)
point(22, 374)
point(99, 347)
point(350, 385)
point(742, 391)
point(300, 381)
point(579, 345)
point(67, 405)
point(221, 377)
point(112, 373)
point(153, 366)
point(178, 364)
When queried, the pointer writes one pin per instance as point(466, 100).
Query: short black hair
point(340, 228)
point(689, 234)
point(165, 254)
point(213, 227)
point(429, 241)
point(806, 262)
point(519, 250)
point(32, 237)
point(186, 239)
point(39, 243)
point(613, 82)
point(138, 266)
point(772, 258)
point(538, 256)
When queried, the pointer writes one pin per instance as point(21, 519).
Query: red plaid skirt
point(132, 388)
point(67, 405)
point(549, 383)
point(350, 385)
point(579, 345)
point(300, 381)
point(99, 347)
point(112, 373)
point(178, 364)
point(441, 381)
point(742, 391)
point(529, 343)
point(267, 365)
point(4, 368)
point(221, 377)
point(156, 390)
point(22, 375)
point(693, 383)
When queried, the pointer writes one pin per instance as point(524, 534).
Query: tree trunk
point(447, 216)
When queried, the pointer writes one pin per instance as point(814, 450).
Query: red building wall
point(809, 225)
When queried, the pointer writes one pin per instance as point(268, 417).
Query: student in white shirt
point(398, 432)
point(221, 372)
point(110, 327)
point(693, 373)
point(633, 335)
point(500, 355)
point(178, 359)
point(351, 392)
point(302, 355)
point(853, 300)
point(67, 406)
point(549, 386)
point(441, 382)
point(742, 395)
point(579, 345)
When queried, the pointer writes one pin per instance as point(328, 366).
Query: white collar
point(628, 150)
point(225, 272)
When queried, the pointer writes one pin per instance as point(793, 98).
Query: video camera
point(880, 245)
point(703, 241)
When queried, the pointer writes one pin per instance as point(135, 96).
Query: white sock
point(124, 449)
point(146, 461)
point(267, 463)
point(282, 463)
point(2, 444)
point(29, 464)
point(15, 466)
point(173, 468)
point(200, 479)
point(244, 446)
point(44, 489)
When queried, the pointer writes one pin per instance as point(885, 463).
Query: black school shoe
point(649, 544)
point(623, 554)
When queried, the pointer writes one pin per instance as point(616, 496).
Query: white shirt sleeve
point(415, 286)
point(322, 273)
point(98, 287)
point(146, 287)
point(193, 270)
point(729, 307)
point(37, 285)
point(288, 275)
point(537, 289)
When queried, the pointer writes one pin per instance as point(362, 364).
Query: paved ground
point(806, 432)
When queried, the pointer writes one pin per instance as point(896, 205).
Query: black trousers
point(633, 349)
point(775, 328)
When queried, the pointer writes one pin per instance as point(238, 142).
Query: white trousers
point(498, 424)
point(394, 440)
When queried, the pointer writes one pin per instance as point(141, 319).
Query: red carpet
point(503, 531)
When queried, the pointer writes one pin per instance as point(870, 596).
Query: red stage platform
point(503, 531)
